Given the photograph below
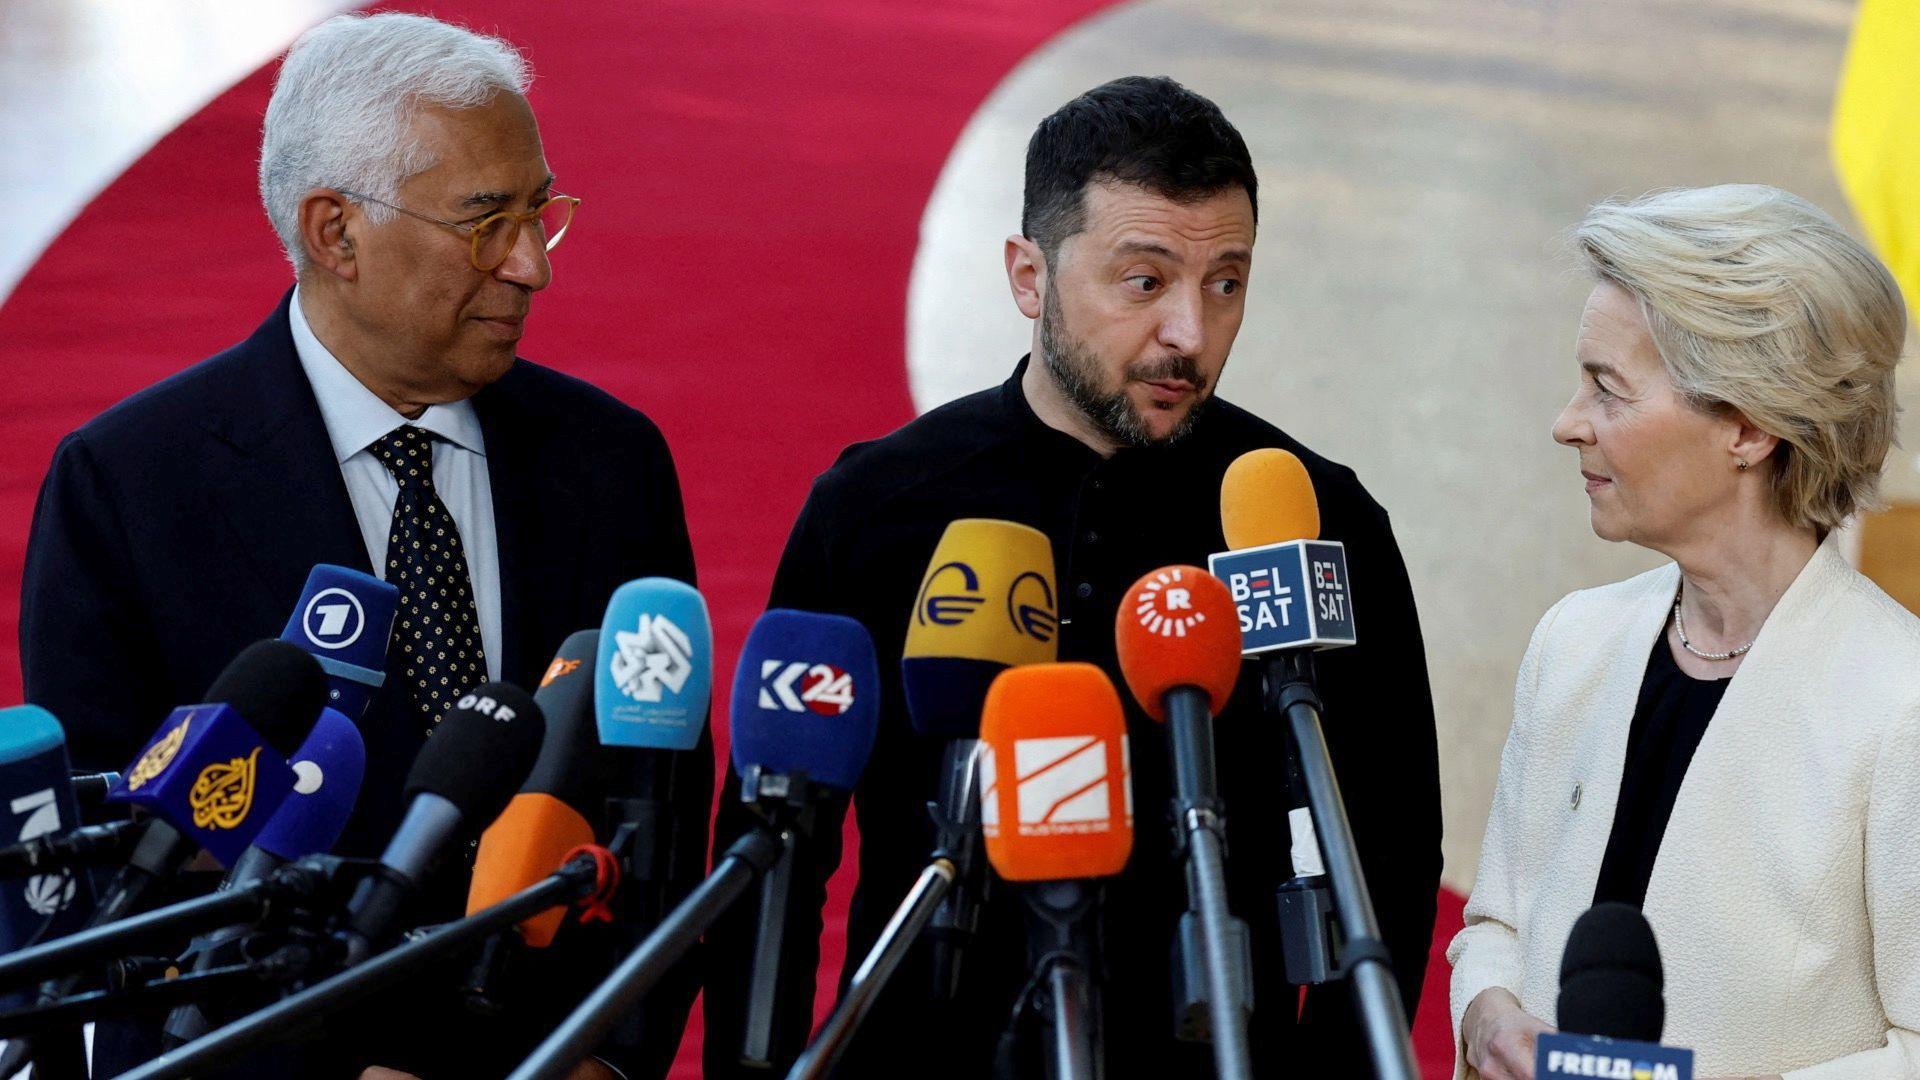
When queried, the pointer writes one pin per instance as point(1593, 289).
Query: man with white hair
point(403, 170)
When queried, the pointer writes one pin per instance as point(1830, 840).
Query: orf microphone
point(462, 778)
point(986, 603)
point(1057, 811)
point(1611, 1009)
point(345, 618)
point(1178, 643)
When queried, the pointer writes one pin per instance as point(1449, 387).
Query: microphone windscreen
point(39, 801)
point(1266, 497)
point(527, 842)
point(1178, 628)
point(654, 672)
point(327, 771)
point(1611, 982)
point(987, 603)
point(209, 773)
point(1056, 799)
point(569, 766)
point(277, 688)
point(480, 752)
point(345, 619)
point(806, 697)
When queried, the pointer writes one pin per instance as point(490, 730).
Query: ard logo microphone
point(345, 618)
point(1289, 586)
point(654, 668)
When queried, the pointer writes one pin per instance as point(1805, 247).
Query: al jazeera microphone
point(1178, 642)
point(1056, 808)
point(987, 603)
point(1293, 599)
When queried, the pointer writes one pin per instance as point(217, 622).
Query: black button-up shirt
point(860, 548)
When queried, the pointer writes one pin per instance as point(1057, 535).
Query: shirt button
point(1083, 590)
point(1098, 484)
point(1090, 537)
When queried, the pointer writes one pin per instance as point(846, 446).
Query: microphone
point(54, 900)
point(1292, 598)
point(987, 603)
point(345, 619)
point(90, 789)
point(805, 712)
point(1178, 643)
point(328, 769)
point(799, 737)
point(461, 780)
point(1056, 808)
point(1611, 1009)
point(654, 669)
point(550, 816)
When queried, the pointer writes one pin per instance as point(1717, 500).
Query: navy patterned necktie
point(437, 626)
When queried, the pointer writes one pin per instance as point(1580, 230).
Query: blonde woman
point(1731, 741)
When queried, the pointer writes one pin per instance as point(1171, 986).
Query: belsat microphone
point(1611, 1009)
point(1178, 643)
point(1292, 597)
point(39, 802)
point(480, 752)
point(986, 604)
point(345, 618)
point(1057, 810)
point(806, 706)
point(327, 769)
point(654, 672)
point(215, 773)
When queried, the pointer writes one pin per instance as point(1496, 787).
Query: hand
point(380, 1072)
point(590, 1069)
point(1500, 1035)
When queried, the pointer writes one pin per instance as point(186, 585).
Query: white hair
point(342, 109)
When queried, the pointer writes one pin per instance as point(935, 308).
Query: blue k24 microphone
point(345, 618)
point(654, 673)
point(806, 698)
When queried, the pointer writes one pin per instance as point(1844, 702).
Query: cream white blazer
point(1786, 894)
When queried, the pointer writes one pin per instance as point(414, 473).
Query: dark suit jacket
point(180, 525)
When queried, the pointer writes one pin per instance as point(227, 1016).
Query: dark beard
point(1077, 372)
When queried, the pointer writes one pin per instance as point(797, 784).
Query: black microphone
point(90, 789)
point(478, 755)
point(1610, 976)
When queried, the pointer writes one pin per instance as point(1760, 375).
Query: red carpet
point(754, 175)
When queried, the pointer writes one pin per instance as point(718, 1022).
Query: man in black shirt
point(1137, 238)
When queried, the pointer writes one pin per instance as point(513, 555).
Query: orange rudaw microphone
point(1178, 640)
point(1056, 808)
point(1293, 599)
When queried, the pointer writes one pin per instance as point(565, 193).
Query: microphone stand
point(1066, 939)
point(1290, 693)
point(786, 804)
point(84, 1008)
point(908, 920)
point(956, 819)
point(585, 876)
point(1226, 979)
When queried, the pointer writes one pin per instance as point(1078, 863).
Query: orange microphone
point(1178, 638)
point(1056, 806)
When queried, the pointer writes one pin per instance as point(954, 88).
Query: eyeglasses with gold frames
point(492, 237)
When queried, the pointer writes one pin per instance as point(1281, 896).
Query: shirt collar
point(354, 416)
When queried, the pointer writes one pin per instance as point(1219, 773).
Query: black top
point(1668, 723)
point(860, 548)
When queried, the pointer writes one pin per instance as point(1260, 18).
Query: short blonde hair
point(1760, 302)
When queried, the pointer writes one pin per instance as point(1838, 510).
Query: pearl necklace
point(1680, 628)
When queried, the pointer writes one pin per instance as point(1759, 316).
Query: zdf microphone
point(345, 619)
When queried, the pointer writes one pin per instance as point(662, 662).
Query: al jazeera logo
point(223, 792)
point(158, 756)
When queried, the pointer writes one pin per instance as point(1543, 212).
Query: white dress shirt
point(355, 418)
